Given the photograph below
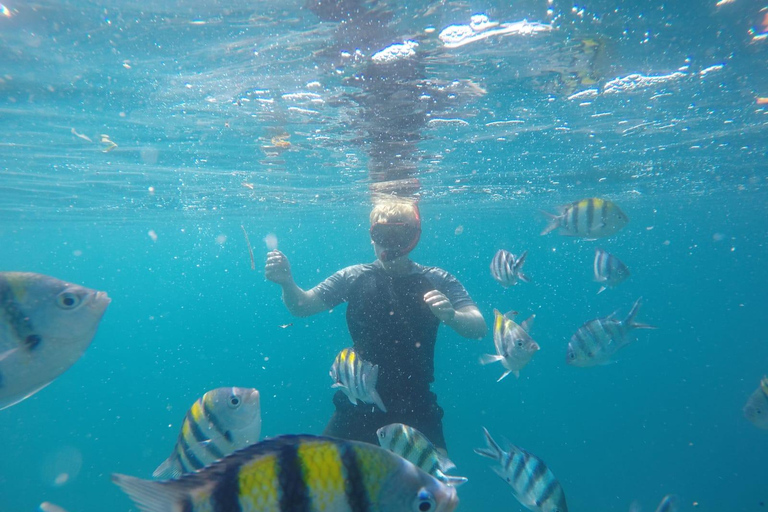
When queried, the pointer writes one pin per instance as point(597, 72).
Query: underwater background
point(232, 116)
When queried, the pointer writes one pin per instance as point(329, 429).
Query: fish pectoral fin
point(453, 481)
point(490, 358)
point(7, 353)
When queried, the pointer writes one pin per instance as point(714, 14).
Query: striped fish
point(297, 474)
point(356, 378)
point(218, 423)
point(414, 446)
point(514, 347)
point(598, 340)
point(533, 484)
point(589, 218)
point(507, 269)
point(609, 270)
point(45, 326)
point(756, 409)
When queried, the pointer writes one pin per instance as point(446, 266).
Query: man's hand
point(278, 269)
point(440, 305)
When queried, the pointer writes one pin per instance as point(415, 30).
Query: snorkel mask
point(396, 238)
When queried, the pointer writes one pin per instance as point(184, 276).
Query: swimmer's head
point(395, 227)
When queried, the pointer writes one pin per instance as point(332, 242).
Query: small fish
point(45, 326)
point(669, 503)
point(514, 347)
point(414, 446)
point(533, 484)
point(218, 423)
point(598, 340)
point(589, 218)
point(285, 326)
point(507, 269)
point(298, 473)
point(756, 409)
point(609, 270)
point(356, 378)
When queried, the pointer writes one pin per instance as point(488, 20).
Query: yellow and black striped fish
point(588, 218)
point(218, 423)
point(356, 377)
point(298, 473)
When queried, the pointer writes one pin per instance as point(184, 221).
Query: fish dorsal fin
point(498, 320)
point(528, 323)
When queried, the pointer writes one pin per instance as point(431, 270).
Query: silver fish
point(220, 422)
point(756, 408)
point(598, 340)
point(532, 482)
point(588, 218)
point(414, 446)
point(356, 378)
point(514, 347)
point(507, 269)
point(45, 326)
point(609, 270)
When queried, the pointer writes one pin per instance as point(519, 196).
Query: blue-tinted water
point(192, 93)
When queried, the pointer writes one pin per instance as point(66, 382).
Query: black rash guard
point(392, 326)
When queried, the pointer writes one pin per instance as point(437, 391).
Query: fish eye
point(234, 401)
point(572, 355)
point(68, 300)
point(519, 343)
point(424, 501)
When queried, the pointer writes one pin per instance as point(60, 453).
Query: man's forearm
point(468, 323)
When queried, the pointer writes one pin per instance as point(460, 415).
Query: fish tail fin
point(168, 469)
point(371, 379)
point(490, 358)
point(630, 320)
point(152, 496)
point(554, 222)
point(492, 449)
point(453, 481)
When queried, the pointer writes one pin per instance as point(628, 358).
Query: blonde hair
point(394, 209)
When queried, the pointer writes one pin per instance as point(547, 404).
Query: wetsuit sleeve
point(451, 287)
point(335, 290)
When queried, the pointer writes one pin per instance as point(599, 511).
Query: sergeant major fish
point(356, 378)
point(514, 346)
point(609, 270)
point(298, 473)
point(532, 482)
point(598, 340)
point(45, 326)
point(588, 218)
point(414, 446)
point(507, 269)
point(218, 423)
point(756, 408)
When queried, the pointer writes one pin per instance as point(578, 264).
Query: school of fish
point(219, 464)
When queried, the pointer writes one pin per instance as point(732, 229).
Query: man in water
point(394, 308)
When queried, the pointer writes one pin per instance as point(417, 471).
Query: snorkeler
point(394, 309)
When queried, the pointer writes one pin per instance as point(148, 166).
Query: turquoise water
point(193, 93)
